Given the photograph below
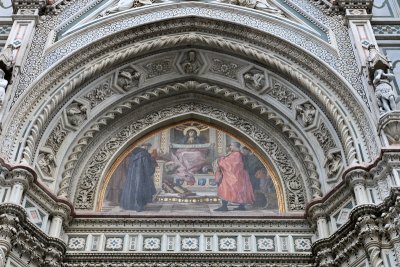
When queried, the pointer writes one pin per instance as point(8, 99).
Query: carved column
point(56, 226)
point(357, 179)
point(322, 226)
point(21, 179)
point(8, 224)
point(370, 235)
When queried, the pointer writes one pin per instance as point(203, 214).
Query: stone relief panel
point(47, 164)
point(56, 137)
point(324, 138)
point(225, 68)
point(306, 114)
point(159, 67)
point(191, 62)
point(254, 79)
point(86, 191)
point(99, 94)
point(75, 114)
point(128, 78)
point(283, 94)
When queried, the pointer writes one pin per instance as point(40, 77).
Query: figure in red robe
point(234, 183)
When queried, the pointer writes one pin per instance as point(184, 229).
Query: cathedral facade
point(199, 133)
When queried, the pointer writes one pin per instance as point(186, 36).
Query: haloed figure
point(139, 185)
point(233, 180)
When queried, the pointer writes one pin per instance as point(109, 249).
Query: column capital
point(357, 176)
point(21, 176)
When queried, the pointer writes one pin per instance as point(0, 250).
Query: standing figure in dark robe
point(139, 186)
point(252, 165)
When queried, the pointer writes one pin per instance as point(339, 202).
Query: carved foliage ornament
point(85, 195)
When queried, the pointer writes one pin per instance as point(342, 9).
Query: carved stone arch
point(146, 119)
point(61, 89)
point(282, 126)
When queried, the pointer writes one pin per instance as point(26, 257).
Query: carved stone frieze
point(85, 194)
point(283, 94)
point(324, 138)
point(224, 68)
point(159, 67)
point(56, 137)
point(99, 94)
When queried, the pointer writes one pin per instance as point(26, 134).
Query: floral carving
point(223, 68)
point(265, 243)
point(77, 243)
point(227, 243)
point(56, 137)
point(324, 138)
point(99, 94)
point(283, 95)
point(152, 243)
point(302, 244)
point(190, 243)
point(159, 67)
point(114, 243)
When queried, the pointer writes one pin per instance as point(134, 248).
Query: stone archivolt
point(297, 77)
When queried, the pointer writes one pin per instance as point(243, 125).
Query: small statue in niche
point(384, 91)
point(46, 163)
point(378, 69)
point(123, 5)
point(128, 78)
point(254, 79)
point(191, 64)
point(3, 86)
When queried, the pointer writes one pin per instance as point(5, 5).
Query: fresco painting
point(191, 167)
